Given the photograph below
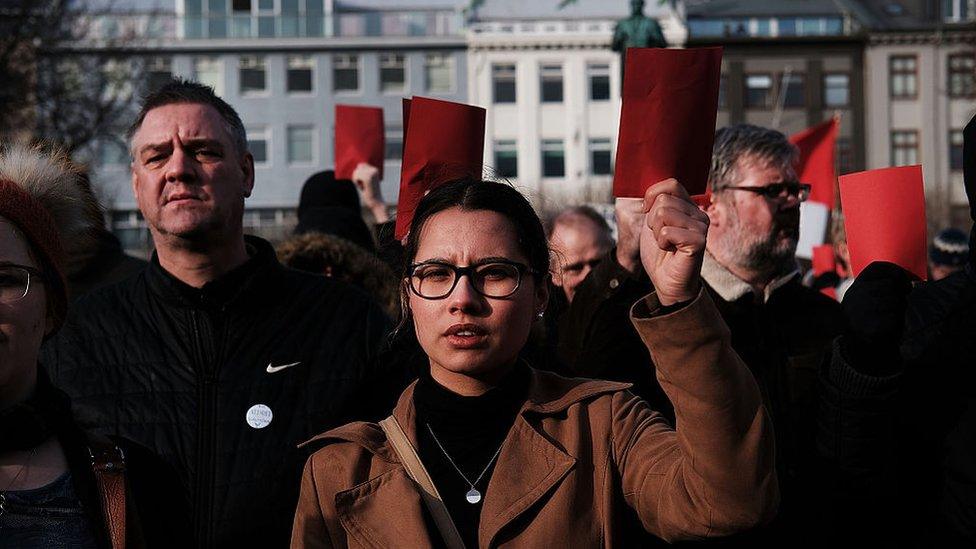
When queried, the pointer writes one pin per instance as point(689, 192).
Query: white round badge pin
point(259, 416)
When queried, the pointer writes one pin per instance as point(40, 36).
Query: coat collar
point(732, 288)
point(225, 290)
point(529, 465)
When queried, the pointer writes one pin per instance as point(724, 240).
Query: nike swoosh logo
point(275, 369)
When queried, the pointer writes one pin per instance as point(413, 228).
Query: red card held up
point(884, 215)
point(359, 137)
point(667, 121)
point(442, 141)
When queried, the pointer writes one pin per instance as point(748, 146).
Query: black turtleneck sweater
point(471, 429)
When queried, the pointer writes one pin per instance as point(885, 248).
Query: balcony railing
point(358, 24)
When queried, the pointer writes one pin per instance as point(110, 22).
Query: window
point(962, 75)
point(954, 11)
point(903, 76)
point(600, 157)
point(553, 158)
point(300, 146)
point(300, 78)
point(253, 74)
point(904, 147)
point(955, 150)
point(503, 83)
point(132, 231)
point(112, 152)
point(345, 73)
point(845, 155)
point(506, 158)
point(242, 6)
point(393, 76)
point(209, 71)
point(439, 72)
point(599, 76)
point(759, 91)
point(551, 85)
point(837, 90)
point(794, 90)
point(393, 144)
point(159, 71)
point(257, 143)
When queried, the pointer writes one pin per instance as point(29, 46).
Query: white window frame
point(315, 145)
point(384, 59)
point(265, 131)
point(244, 60)
point(305, 62)
point(339, 61)
point(448, 59)
point(218, 65)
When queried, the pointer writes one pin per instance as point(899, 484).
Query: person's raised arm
point(715, 474)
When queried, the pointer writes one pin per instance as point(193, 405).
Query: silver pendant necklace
point(473, 496)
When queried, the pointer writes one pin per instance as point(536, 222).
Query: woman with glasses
point(59, 486)
point(485, 451)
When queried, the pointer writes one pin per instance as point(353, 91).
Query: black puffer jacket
point(195, 374)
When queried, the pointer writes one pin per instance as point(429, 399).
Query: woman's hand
point(672, 242)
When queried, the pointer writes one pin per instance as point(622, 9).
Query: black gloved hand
point(830, 279)
point(875, 306)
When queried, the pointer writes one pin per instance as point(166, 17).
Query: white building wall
point(933, 113)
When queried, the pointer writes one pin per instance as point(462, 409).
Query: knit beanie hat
point(950, 247)
point(40, 193)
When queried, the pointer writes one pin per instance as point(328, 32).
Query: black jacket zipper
point(207, 395)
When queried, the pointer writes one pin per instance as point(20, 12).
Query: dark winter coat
point(223, 382)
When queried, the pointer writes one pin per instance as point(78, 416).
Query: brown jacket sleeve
point(309, 530)
point(715, 474)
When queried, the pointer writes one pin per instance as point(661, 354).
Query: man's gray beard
point(770, 255)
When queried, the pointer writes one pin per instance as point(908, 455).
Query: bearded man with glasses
point(780, 328)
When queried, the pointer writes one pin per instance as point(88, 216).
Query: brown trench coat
point(576, 447)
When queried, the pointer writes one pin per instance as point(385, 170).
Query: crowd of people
point(490, 380)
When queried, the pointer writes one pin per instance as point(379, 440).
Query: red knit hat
point(37, 224)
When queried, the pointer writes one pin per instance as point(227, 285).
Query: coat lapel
point(528, 468)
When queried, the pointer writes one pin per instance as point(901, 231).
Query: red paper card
point(667, 122)
point(816, 165)
point(884, 214)
point(824, 260)
point(442, 141)
point(359, 137)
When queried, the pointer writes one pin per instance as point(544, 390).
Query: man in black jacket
point(898, 425)
point(216, 357)
point(781, 329)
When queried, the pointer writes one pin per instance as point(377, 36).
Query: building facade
point(284, 65)
point(551, 86)
point(920, 92)
point(789, 66)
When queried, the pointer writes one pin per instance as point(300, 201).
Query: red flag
point(884, 215)
point(359, 137)
point(816, 164)
point(667, 121)
point(442, 141)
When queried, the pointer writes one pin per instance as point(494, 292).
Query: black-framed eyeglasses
point(16, 281)
point(496, 279)
point(786, 189)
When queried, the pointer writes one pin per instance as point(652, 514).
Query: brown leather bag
point(108, 465)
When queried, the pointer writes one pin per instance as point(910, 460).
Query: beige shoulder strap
point(415, 468)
